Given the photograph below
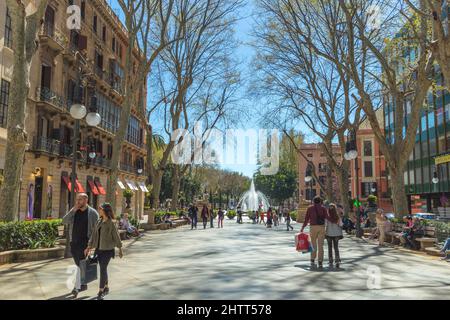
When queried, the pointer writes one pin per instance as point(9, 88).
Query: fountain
point(252, 200)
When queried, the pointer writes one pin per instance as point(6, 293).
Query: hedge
point(28, 234)
point(231, 214)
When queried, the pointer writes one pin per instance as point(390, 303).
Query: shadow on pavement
point(69, 296)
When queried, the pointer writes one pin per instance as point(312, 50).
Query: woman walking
point(205, 214)
point(381, 226)
point(333, 233)
point(269, 218)
point(104, 239)
point(220, 217)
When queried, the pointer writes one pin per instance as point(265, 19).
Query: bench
point(395, 234)
point(428, 239)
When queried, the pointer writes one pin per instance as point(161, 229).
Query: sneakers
point(75, 292)
point(101, 295)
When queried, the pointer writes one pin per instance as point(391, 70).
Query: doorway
point(38, 188)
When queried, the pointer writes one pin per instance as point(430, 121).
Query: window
point(94, 26)
point(83, 10)
point(367, 148)
point(133, 134)
point(104, 34)
point(8, 30)
point(113, 44)
point(49, 24)
point(368, 171)
point(4, 99)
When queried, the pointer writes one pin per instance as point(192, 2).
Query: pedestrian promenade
point(240, 261)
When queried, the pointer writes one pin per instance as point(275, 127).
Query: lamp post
point(308, 178)
point(78, 112)
point(351, 153)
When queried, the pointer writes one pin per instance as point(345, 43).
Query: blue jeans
point(446, 246)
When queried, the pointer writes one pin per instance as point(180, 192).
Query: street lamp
point(308, 178)
point(351, 153)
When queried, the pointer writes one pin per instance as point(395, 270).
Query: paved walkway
point(239, 262)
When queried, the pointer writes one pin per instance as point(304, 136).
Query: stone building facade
point(75, 66)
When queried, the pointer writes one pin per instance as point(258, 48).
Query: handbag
point(88, 271)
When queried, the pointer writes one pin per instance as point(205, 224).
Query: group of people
point(92, 232)
point(273, 217)
point(206, 214)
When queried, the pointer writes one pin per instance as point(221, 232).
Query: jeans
point(288, 225)
point(333, 242)
point(104, 257)
point(446, 246)
point(194, 223)
point(205, 222)
point(220, 224)
point(212, 222)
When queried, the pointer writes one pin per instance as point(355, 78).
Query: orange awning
point(79, 187)
point(68, 183)
point(93, 187)
point(100, 188)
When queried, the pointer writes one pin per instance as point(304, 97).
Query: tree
point(25, 28)
point(384, 72)
point(277, 187)
point(306, 85)
point(439, 42)
point(142, 50)
point(184, 68)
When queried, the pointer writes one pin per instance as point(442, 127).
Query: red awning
point(68, 183)
point(79, 187)
point(100, 188)
point(93, 187)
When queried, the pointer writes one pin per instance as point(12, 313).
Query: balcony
point(129, 168)
point(46, 145)
point(52, 38)
point(69, 53)
point(100, 161)
point(116, 86)
point(47, 97)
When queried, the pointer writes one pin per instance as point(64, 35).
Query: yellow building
point(71, 65)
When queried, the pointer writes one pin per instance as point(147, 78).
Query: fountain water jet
point(252, 200)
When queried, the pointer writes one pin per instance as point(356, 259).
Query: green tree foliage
point(277, 187)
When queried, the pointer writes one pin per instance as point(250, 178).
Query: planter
point(151, 215)
point(31, 255)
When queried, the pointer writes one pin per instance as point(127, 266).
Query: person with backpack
point(333, 233)
point(315, 217)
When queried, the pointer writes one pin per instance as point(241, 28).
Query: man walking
point(315, 216)
point(288, 221)
point(81, 221)
point(193, 210)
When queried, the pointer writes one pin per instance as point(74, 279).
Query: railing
point(115, 84)
point(50, 31)
point(100, 161)
point(47, 145)
point(66, 150)
point(46, 95)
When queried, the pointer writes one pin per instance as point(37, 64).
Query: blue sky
point(245, 53)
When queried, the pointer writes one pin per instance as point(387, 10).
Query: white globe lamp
point(77, 111)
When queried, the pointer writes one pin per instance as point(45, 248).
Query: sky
point(245, 53)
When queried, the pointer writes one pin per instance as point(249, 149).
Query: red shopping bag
point(302, 242)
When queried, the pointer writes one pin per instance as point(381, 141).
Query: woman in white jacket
point(333, 233)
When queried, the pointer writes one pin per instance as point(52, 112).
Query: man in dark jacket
point(193, 210)
point(315, 216)
point(81, 220)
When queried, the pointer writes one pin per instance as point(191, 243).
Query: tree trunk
point(157, 180)
point(175, 187)
point(398, 192)
point(329, 184)
point(17, 136)
point(343, 181)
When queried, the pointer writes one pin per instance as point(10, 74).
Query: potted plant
point(231, 214)
point(128, 194)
